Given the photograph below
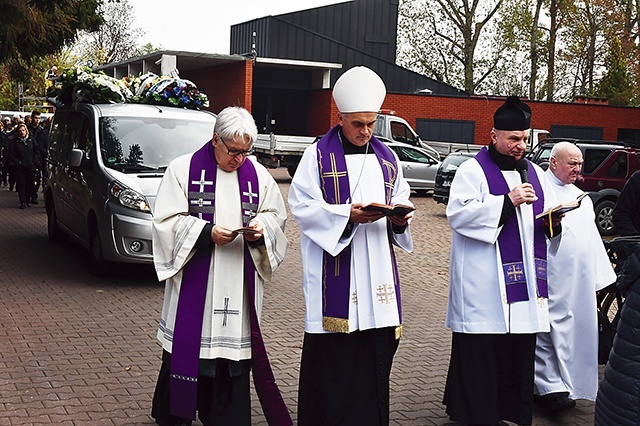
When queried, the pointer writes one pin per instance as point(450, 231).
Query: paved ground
point(77, 350)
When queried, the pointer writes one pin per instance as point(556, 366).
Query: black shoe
point(22, 206)
point(34, 201)
point(28, 204)
point(556, 402)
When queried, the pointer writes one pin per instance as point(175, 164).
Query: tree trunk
point(551, 48)
point(533, 51)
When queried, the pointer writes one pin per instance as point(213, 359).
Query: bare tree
point(442, 38)
point(115, 40)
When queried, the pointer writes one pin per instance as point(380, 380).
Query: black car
point(446, 172)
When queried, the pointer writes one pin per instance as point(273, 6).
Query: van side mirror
point(76, 159)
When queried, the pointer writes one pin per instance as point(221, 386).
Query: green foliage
point(616, 84)
point(36, 28)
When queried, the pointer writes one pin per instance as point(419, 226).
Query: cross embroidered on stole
point(201, 202)
point(335, 175)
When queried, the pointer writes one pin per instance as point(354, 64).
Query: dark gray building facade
point(359, 32)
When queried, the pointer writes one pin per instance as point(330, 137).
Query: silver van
point(103, 170)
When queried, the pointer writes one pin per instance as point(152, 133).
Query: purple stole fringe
point(336, 271)
point(509, 240)
point(188, 328)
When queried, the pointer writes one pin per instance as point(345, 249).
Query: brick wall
point(225, 85)
point(480, 110)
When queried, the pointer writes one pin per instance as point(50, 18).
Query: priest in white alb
point(350, 277)
point(578, 266)
point(218, 236)
point(497, 280)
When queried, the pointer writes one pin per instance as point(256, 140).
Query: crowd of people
point(24, 141)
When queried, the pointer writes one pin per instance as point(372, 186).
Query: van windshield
point(137, 144)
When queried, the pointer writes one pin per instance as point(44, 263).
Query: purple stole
point(336, 271)
point(509, 239)
point(188, 328)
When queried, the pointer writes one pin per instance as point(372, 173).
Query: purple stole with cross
point(188, 328)
point(509, 239)
point(336, 271)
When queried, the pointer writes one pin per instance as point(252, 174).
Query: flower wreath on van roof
point(84, 85)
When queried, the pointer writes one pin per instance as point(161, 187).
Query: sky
point(204, 26)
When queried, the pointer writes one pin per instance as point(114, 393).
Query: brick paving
point(79, 350)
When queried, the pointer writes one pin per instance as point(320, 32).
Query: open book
point(397, 210)
point(563, 208)
point(245, 230)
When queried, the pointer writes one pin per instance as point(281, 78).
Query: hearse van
point(103, 170)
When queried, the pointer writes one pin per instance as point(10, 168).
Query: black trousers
point(222, 400)
point(344, 378)
point(490, 378)
point(25, 185)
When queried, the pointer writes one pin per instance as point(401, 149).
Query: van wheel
point(98, 265)
point(56, 235)
point(604, 217)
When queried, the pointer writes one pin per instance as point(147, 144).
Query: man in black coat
point(40, 137)
point(22, 159)
point(626, 215)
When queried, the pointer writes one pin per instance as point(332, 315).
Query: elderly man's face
point(231, 153)
point(510, 142)
point(566, 165)
point(358, 126)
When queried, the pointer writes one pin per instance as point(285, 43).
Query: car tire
point(422, 192)
point(56, 235)
point(98, 265)
point(292, 170)
point(604, 217)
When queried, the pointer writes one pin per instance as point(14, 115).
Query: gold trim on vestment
point(399, 331)
point(338, 325)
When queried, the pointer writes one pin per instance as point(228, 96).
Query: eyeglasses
point(235, 152)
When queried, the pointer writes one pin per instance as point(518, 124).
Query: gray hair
point(236, 122)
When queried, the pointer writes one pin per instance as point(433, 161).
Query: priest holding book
point(218, 237)
point(497, 281)
point(578, 266)
point(350, 277)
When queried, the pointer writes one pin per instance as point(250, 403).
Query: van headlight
point(128, 197)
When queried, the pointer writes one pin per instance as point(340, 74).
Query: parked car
point(607, 167)
point(103, 170)
point(418, 166)
point(445, 174)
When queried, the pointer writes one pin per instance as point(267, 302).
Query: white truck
point(395, 128)
point(275, 151)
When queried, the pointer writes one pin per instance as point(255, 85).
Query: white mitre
point(359, 89)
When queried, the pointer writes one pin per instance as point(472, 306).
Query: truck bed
point(446, 148)
point(282, 144)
